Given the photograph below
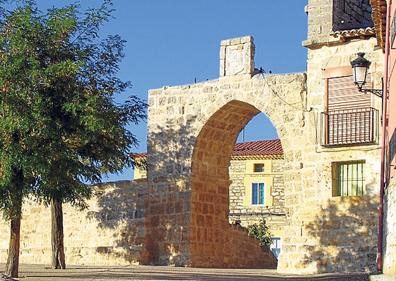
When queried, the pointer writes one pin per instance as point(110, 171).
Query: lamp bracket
point(377, 92)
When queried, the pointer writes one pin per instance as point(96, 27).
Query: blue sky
point(172, 42)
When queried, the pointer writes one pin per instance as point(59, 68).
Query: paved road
point(156, 273)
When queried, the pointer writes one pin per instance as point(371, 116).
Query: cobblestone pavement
point(146, 273)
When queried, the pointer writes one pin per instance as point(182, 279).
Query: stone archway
point(214, 242)
point(191, 131)
point(183, 122)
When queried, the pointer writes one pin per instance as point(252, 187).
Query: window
point(342, 93)
point(276, 246)
point(257, 193)
point(259, 168)
point(348, 178)
point(349, 117)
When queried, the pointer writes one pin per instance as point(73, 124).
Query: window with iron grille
point(349, 118)
point(348, 178)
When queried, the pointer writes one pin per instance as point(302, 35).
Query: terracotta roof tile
point(352, 33)
point(139, 155)
point(262, 147)
point(251, 148)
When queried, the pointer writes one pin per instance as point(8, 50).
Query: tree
point(261, 232)
point(61, 127)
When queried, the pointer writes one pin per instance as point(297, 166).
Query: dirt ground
point(85, 273)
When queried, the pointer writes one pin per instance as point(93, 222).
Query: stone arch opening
point(250, 132)
point(214, 242)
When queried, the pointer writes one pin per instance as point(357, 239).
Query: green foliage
point(261, 232)
point(60, 127)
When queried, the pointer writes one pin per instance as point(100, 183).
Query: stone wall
point(320, 21)
point(109, 232)
point(390, 229)
point(339, 220)
point(326, 16)
point(192, 132)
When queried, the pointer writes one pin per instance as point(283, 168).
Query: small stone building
point(257, 188)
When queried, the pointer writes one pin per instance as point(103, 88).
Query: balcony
point(349, 127)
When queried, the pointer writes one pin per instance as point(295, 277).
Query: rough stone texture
point(191, 134)
point(109, 232)
point(192, 131)
point(237, 56)
point(342, 255)
point(390, 229)
point(238, 172)
point(274, 214)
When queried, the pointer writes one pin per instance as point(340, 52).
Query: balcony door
point(349, 117)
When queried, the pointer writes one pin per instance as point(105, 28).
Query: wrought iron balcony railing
point(349, 127)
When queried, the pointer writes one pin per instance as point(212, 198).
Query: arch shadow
point(213, 241)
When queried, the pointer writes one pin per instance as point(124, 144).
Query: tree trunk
point(58, 250)
point(12, 266)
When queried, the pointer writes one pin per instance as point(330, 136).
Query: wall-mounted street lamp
point(360, 67)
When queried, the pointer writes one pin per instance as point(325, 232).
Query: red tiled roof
point(256, 148)
point(139, 155)
point(251, 148)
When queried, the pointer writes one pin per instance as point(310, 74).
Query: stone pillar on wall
point(319, 20)
point(237, 56)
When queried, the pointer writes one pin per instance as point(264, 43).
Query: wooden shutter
point(343, 94)
point(349, 118)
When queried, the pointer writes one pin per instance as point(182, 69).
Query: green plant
point(261, 232)
point(63, 112)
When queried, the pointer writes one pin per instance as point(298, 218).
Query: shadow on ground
point(36, 272)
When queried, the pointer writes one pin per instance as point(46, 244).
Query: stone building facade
point(191, 135)
point(190, 147)
point(242, 178)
